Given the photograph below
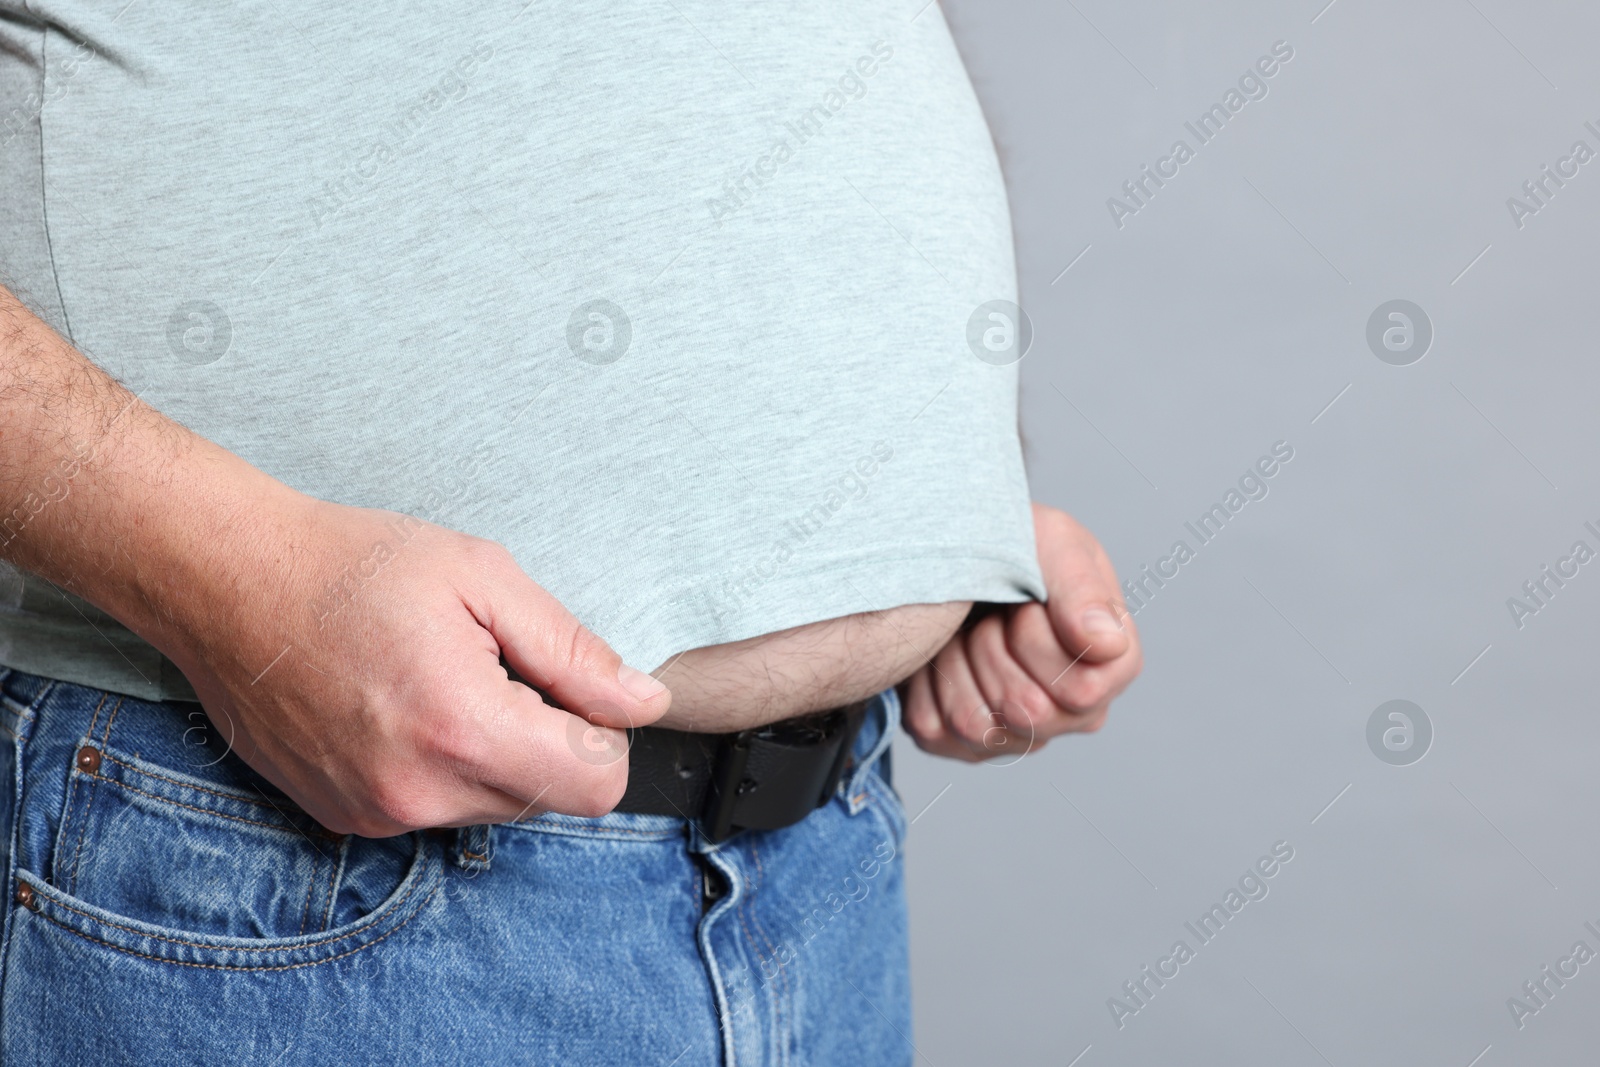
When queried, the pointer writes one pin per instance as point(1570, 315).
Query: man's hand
point(355, 663)
point(1020, 674)
point(351, 656)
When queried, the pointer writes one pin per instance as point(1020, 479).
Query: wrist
point(220, 536)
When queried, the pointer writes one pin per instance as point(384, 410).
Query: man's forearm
point(99, 492)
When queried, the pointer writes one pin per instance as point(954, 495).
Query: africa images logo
point(999, 333)
point(599, 332)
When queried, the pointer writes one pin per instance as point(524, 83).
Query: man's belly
point(596, 342)
point(721, 688)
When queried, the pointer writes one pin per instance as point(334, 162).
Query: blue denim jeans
point(164, 904)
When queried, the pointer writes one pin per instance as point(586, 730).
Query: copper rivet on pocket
point(88, 759)
point(25, 894)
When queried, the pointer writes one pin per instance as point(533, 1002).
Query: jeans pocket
point(170, 866)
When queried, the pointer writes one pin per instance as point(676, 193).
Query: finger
point(951, 747)
point(1104, 683)
point(923, 722)
point(542, 757)
point(1020, 703)
point(920, 709)
point(1086, 686)
point(966, 714)
point(1085, 607)
point(1074, 687)
point(546, 645)
point(498, 756)
point(1032, 642)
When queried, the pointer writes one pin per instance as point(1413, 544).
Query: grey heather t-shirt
point(672, 299)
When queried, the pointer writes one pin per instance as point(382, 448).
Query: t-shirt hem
point(707, 610)
point(715, 609)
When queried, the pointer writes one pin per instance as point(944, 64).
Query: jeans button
point(25, 895)
point(89, 759)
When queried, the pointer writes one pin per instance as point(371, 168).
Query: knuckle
point(458, 741)
point(345, 823)
point(973, 725)
point(366, 826)
point(586, 653)
point(1029, 637)
point(1033, 701)
point(584, 647)
point(923, 723)
point(398, 805)
point(484, 553)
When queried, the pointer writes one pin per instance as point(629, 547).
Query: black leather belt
point(759, 779)
point(764, 778)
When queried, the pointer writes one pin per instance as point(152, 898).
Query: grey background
point(1223, 317)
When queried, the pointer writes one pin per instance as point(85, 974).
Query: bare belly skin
point(821, 665)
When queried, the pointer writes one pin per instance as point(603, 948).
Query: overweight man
point(481, 485)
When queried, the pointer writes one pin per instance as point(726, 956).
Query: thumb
point(554, 653)
point(1085, 608)
point(1089, 625)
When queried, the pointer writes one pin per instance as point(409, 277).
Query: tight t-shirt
point(682, 303)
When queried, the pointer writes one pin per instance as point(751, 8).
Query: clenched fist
point(1017, 675)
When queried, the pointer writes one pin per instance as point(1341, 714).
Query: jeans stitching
point(886, 706)
point(180, 804)
point(94, 720)
point(778, 1002)
point(212, 947)
point(591, 832)
point(94, 788)
point(77, 852)
point(105, 738)
point(230, 967)
point(333, 885)
point(742, 911)
point(16, 709)
point(69, 803)
point(311, 883)
point(750, 938)
point(188, 785)
point(64, 834)
point(894, 820)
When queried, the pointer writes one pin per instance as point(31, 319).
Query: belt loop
point(885, 709)
point(473, 848)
